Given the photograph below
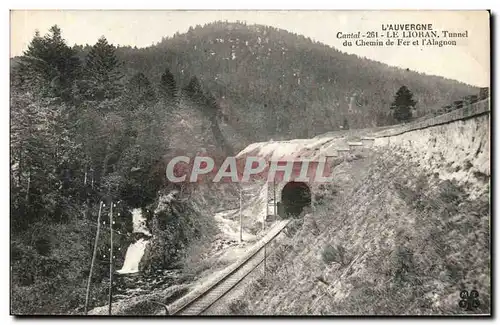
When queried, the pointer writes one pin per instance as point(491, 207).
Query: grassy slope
point(392, 240)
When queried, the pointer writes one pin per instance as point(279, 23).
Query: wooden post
point(264, 225)
point(274, 194)
point(110, 298)
point(241, 213)
point(93, 258)
point(267, 208)
point(265, 258)
point(275, 213)
point(28, 189)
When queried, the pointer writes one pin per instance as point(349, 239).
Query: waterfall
point(136, 250)
point(139, 222)
point(133, 257)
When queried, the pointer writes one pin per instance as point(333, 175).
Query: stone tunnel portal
point(294, 197)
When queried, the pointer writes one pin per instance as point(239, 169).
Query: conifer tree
point(168, 89)
point(102, 71)
point(49, 65)
point(139, 91)
point(403, 104)
point(193, 89)
point(42, 147)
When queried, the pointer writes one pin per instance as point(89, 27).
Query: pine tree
point(403, 104)
point(102, 72)
point(193, 89)
point(42, 149)
point(139, 91)
point(49, 65)
point(168, 89)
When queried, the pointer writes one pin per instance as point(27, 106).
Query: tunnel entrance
point(294, 197)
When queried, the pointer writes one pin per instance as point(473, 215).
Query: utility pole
point(28, 189)
point(93, 258)
point(267, 207)
point(274, 194)
point(265, 258)
point(241, 215)
point(274, 208)
point(264, 225)
point(110, 299)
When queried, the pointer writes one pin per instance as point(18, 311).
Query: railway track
point(203, 300)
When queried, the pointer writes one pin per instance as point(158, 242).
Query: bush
point(451, 192)
point(238, 307)
point(334, 254)
point(402, 265)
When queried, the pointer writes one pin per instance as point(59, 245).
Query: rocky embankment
point(402, 230)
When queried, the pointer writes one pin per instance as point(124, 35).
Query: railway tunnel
point(295, 196)
point(290, 196)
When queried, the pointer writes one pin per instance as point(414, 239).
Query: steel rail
point(217, 290)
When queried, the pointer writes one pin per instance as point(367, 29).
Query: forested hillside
point(285, 85)
point(83, 132)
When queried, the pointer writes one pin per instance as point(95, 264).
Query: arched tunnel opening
point(294, 197)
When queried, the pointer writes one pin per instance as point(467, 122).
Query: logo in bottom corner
point(469, 300)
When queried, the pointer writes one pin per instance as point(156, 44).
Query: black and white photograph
point(171, 163)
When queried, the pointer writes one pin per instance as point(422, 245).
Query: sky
point(468, 62)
